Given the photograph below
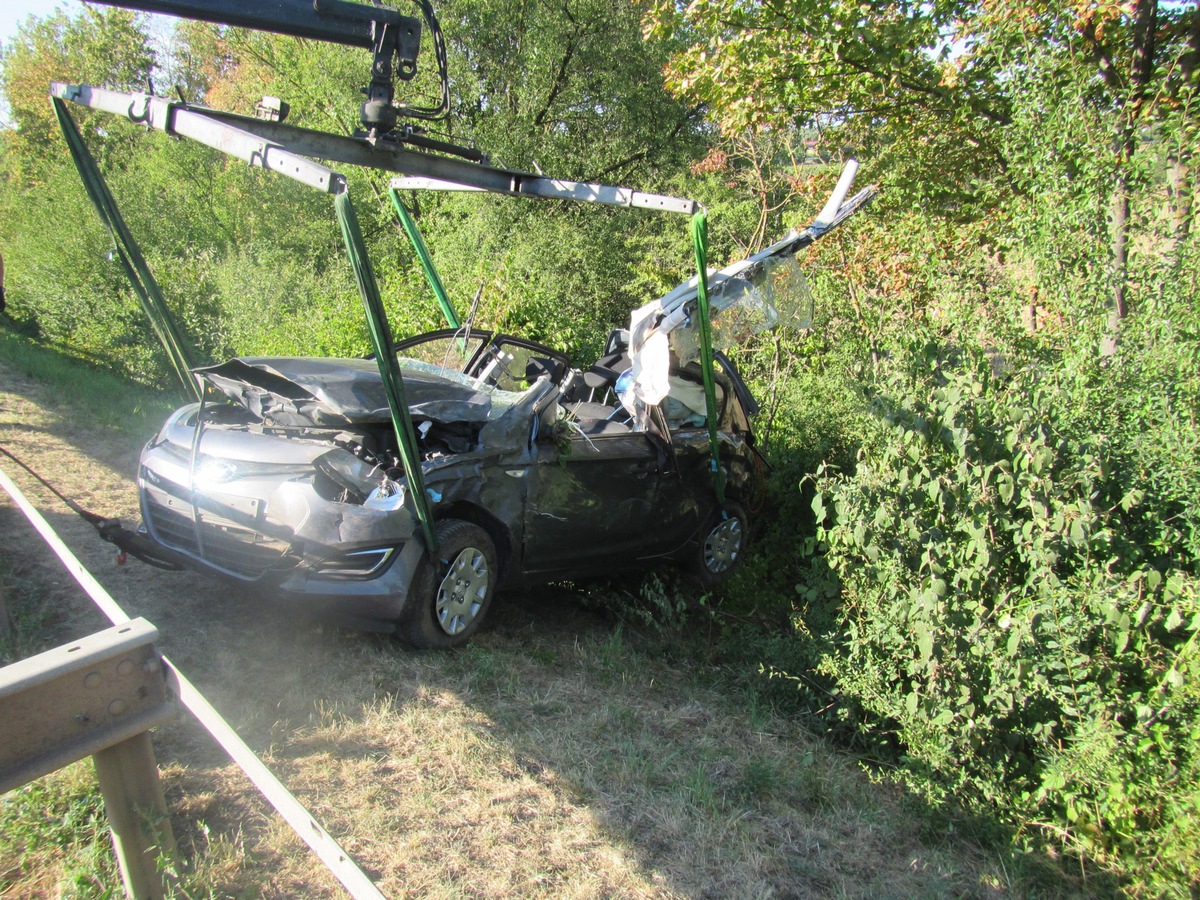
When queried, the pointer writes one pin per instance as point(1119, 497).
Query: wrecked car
point(535, 471)
point(399, 492)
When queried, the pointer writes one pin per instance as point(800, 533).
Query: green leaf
point(1131, 499)
point(1004, 487)
point(925, 644)
point(1078, 534)
point(1014, 642)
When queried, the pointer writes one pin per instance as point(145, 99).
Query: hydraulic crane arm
point(294, 152)
point(394, 39)
point(336, 21)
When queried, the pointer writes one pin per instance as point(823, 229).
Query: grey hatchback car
point(535, 471)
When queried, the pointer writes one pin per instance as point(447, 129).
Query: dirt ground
point(547, 759)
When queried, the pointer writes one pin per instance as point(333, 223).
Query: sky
point(14, 12)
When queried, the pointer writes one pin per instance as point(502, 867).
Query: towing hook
point(110, 530)
point(139, 108)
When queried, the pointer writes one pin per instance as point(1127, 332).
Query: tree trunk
point(1145, 17)
point(1181, 184)
point(1122, 206)
point(1181, 192)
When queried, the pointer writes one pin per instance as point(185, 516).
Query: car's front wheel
point(453, 592)
point(722, 545)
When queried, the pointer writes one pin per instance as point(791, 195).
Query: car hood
point(321, 391)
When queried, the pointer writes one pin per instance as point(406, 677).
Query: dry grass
point(554, 757)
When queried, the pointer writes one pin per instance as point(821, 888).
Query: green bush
point(1020, 600)
point(812, 415)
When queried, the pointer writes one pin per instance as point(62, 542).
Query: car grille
point(233, 548)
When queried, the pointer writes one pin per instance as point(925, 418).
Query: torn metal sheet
point(752, 295)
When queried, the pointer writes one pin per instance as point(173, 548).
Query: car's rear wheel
point(722, 545)
point(453, 592)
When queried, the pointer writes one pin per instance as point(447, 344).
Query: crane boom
point(336, 21)
point(393, 38)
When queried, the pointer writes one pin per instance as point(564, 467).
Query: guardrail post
point(137, 812)
point(97, 697)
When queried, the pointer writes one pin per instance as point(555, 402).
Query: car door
point(685, 496)
point(591, 501)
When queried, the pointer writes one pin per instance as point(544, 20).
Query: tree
point(1130, 70)
point(568, 85)
point(941, 96)
point(99, 46)
point(877, 74)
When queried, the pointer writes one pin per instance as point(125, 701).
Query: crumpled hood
point(304, 390)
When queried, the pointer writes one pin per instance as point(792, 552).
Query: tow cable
point(128, 543)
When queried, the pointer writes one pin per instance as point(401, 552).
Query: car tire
point(453, 592)
point(721, 546)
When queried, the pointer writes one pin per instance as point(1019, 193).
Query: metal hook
point(144, 114)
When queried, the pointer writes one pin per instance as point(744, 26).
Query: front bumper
point(280, 536)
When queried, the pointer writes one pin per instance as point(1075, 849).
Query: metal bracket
point(78, 699)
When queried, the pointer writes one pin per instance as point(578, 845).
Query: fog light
point(357, 564)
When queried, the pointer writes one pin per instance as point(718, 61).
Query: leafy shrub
point(1020, 598)
point(811, 416)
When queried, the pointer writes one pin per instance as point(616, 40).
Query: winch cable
point(110, 529)
point(700, 245)
point(128, 252)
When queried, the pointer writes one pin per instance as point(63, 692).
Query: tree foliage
point(948, 99)
point(99, 46)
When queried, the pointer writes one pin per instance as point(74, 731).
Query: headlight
point(387, 496)
point(210, 470)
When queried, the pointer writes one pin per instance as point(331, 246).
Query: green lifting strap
point(431, 273)
point(128, 252)
point(700, 243)
point(389, 369)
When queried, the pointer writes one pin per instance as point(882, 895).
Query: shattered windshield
point(766, 294)
point(501, 401)
point(420, 367)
